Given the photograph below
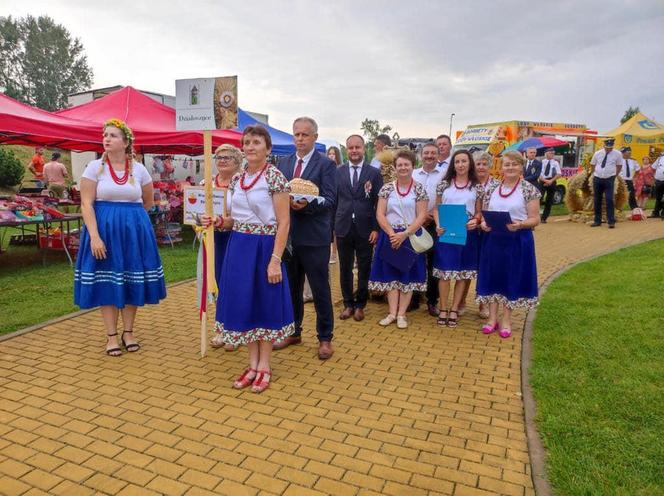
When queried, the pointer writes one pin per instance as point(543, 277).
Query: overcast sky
point(409, 64)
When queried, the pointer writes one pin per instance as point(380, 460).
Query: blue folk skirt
point(220, 244)
point(386, 277)
point(508, 269)
point(457, 261)
point(249, 308)
point(132, 273)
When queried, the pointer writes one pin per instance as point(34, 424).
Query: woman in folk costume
point(457, 262)
point(118, 266)
point(401, 211)
point(508, 269)
point(483, 163)
point(228, 160)
point(254, 305)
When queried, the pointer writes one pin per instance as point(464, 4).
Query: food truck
point(496, 137)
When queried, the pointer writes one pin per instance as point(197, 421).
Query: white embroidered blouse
point(451, 195)
point(252, 209)
point(516, 203)
point(402, 213)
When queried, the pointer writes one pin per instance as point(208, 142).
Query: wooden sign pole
point(209, 235)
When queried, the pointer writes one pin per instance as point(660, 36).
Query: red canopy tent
point(22, 124)
point(153, 123)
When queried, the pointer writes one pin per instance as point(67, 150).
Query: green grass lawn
point(31, 293)
point(598, 375)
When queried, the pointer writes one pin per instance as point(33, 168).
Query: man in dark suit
point(532, 168)
point(311, 234)
point(355, 225)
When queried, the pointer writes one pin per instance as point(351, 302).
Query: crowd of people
point(267, 242)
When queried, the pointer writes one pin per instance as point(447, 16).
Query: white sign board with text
point(205, 104)
point(194, 203)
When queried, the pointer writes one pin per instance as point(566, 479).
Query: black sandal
point(131, 348)
point(117, 351)
point(442, 321)
point(452, 322)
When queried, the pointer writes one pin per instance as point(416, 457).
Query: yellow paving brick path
point(416, 411)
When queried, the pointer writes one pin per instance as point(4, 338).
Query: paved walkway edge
point(25, 330)
point(536, 449)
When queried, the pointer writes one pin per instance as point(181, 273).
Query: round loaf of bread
point(303, 187)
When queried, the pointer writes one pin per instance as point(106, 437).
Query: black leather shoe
point(612, 226)
point(346, 314)
point(595, 224)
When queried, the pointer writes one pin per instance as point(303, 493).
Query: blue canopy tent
point(282, 142)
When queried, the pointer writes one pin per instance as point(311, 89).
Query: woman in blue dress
point(401, 211)
point(454, 262)
point(254, 305)
point(508, 269)
point(118, 267)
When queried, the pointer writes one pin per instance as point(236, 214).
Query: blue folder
point(497, 221)
point(453, 218)
point(401, 259)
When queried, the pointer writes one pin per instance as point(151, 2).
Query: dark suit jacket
point(312, 226)
point(532, 173)
point(354, 200)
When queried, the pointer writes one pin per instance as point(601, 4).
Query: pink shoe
point(505, 332)
point(488, 328)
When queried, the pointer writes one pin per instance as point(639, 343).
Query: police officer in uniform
point(550, 173)
point(607, 163)
point(628, 172)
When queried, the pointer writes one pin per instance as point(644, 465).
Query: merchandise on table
point(166, 214)
point(54, 240)
point(24, 209)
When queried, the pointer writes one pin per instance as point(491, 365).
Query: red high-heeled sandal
point(244, 380)
point(260, 384)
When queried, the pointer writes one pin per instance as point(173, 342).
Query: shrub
point(11, 169)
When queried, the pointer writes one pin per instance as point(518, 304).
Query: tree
point(629, 113)
point(11, 169)
point(40, 63)
point(372, 128)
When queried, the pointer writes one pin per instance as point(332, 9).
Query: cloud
point(407, 64)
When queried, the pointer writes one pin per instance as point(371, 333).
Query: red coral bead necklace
point(503, 195)
point(410, 186)
point(460, 187)
point(119, 180)
point(253, 181)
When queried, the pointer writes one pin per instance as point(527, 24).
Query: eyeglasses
point(225, 158)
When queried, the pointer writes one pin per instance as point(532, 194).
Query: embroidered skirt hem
point(511, 304)
point(403, 287)
point(454, 275)
point(235, 338)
